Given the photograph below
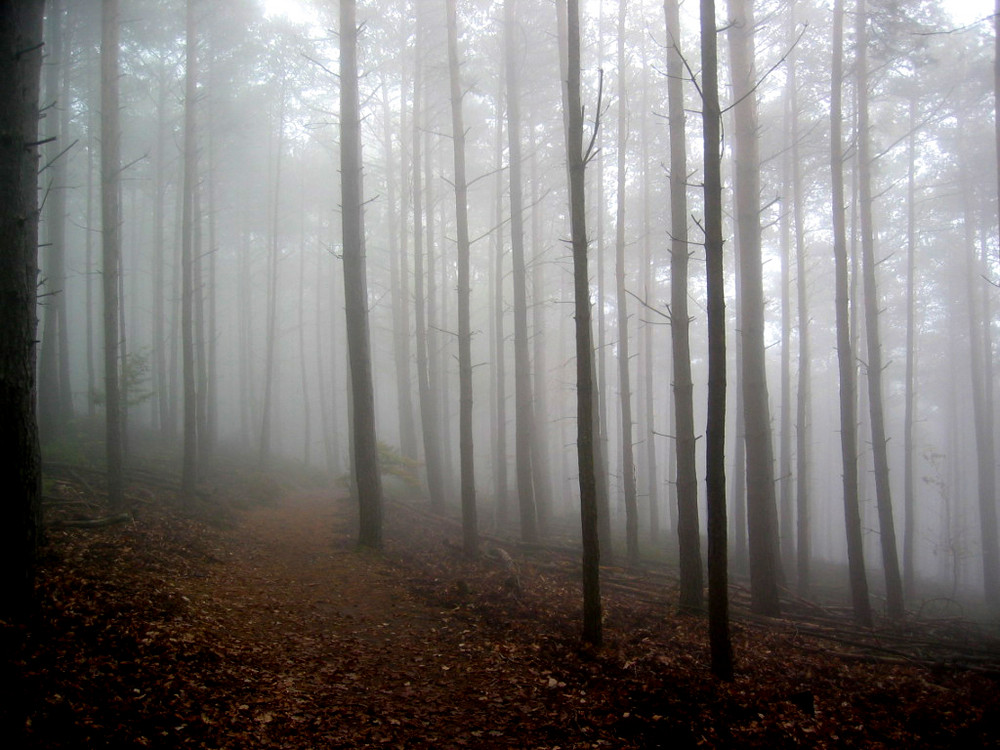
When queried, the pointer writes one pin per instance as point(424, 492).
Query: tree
point(688, 533)
point(426, 390)
point(368, 480)
point(577, 157)
point(715, 430)
point(56, 401)
point(400, 285)
point(624, 384)
point(270, 359)
point(803, 546)
point(874, 368)
point(470, 540)
point(909, 396)
point(189, 467)
point(111, 247)
point(980, 353)
point(523, 411)
point(845, 347)
point(762, 520)
point(20, 66)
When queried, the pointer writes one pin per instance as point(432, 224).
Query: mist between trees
point(205, 196)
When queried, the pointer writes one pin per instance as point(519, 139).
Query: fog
point(266, 233)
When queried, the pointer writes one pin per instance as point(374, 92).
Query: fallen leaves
point(170, 632)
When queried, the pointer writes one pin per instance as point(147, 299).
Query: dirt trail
point(338, 649)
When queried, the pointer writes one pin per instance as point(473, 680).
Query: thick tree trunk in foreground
point(845, 346)
point(368, 480)
point(20, 65)
point(688, 531)
point(715, 431)
point(592, 626)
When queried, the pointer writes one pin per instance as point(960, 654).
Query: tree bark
point(20, 67)
point(592, 626)
point(470, 532)
point(803, 418)
point(55, 404)
point(270, 358)
point(980, 353)
point(366, 465)
point(111, 247)
point(497, 339)
point(909, 386)
point(715, 431)
point(887, 528)
point(523, 410)
point(428, 407)
point(688, 532)
point(621, 302)
point(189, 468)
point(762, 520)
point(845, 346)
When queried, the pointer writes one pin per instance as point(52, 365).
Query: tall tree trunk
point(909, 506)
point(887, 529)
point(55, 404)
point(980, 356)
point(845, 346)
point(600, 457)
point(785, 496)
point(715, 431)
point(762, 520)
point(601, 420)
point(211, 437)
point(366, 465)
point(304, 373)
point(803, 544)
point(270, 358)
point(200, 333)
point(648, 287)
point(541, 462)
point(688, 532)
point(189, 469)
point(621, 303)
point(159, 369)
point(470, 533)
point(996, 92)
point(523, 410)
point(435, 376)
point(111, 246)
point(498, 339)
point(321, 342)
point(20, 66)
point(425, 392)
point(592, 627)
point(92, 140)
point(400, 291)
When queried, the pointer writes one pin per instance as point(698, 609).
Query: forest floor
point(267, 628)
